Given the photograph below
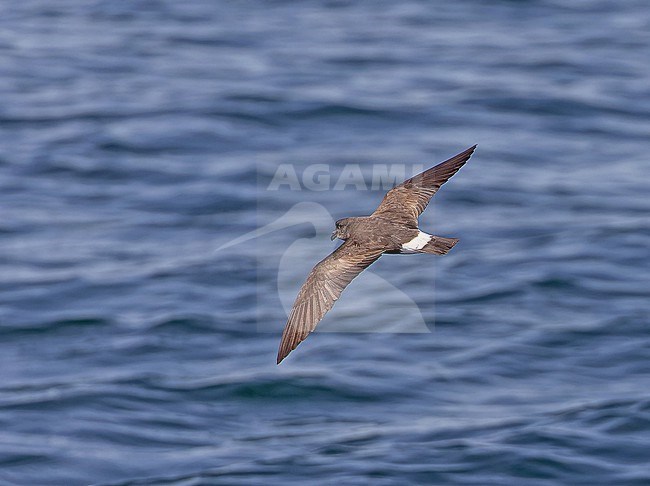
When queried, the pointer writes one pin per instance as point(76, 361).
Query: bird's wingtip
point(283, 352)
point(467, 153)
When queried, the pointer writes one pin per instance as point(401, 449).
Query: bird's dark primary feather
point(322, 289)
point(408, 200)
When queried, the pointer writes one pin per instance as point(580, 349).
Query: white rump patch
point(417, 243)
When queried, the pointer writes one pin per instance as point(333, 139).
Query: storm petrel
point(392, 228)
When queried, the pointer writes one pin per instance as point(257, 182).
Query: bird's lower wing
point(322, 289)
point(408, 200)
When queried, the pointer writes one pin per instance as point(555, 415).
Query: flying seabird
point(392, 228)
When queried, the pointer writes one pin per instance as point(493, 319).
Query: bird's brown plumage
point(399, 212)
point(322, 288)
point(408, 200)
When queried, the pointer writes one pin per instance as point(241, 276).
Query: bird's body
point(376, 231)
point(392, 228)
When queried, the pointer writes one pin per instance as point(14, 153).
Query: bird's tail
point(439, 245)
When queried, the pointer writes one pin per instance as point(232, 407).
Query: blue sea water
point(139, 138)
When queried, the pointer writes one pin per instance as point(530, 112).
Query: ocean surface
point(170, 171)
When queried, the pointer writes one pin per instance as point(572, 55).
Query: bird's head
point(342, 230)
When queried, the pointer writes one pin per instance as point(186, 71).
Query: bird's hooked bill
point(333, 237)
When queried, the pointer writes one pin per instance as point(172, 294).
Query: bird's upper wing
point(322, 289)
point(407, 201)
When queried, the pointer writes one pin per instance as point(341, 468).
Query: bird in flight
point(392, 228)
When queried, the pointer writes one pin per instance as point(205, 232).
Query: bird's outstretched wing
point(407, 201)
point(322, 289)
